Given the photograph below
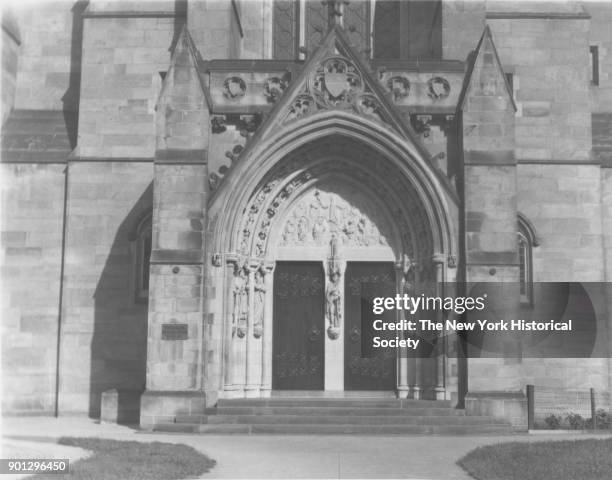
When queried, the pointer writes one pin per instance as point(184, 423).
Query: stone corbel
point(218, 123)
point(422, 124)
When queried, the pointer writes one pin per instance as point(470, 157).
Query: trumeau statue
point(260, 297)
point(241, 300)
point(333, 292)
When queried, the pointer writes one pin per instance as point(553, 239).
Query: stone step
point(336, 429)
point(354, 420)
point(353, 411)
point(365, 402)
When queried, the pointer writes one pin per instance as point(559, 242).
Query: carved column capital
point(438, 258)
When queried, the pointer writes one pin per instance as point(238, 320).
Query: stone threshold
point(333, 394)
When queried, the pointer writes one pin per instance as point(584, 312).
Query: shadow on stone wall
point(119, 342)
point(70, 99)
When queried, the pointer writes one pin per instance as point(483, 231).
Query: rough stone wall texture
point(104, 328)
point(10, 51)
point(602, 136)
point(490, 174)
point(606, 197)
point(256, 21)
point(122, 61)
point(550, 64)
point(462, 24)
point(48, 70)
point(176, 290)
point(182, 118)
point(564, 204)
point(175, 298)
point(214, 28)
point(31, 245)
point(600, 35)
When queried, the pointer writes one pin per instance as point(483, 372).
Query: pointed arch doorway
point(337, 204)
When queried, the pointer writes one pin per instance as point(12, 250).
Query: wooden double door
point(300, 328)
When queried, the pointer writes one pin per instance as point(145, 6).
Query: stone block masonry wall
point(490, 192)
point(176, 276)
point(213, 26)
point(48, 65)
point(462, 24)
point(174, 363)
point(564, 204)
point(600, 36)
point(122, 61)
point(31, 244)
point(10, 50)
point(606, 197)
point(549, 59)
point(104, 327)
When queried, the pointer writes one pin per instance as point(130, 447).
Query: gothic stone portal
point(331, 214)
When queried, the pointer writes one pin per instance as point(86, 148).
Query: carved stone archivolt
point(337, 207)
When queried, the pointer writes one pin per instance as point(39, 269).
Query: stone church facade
point(198, 195)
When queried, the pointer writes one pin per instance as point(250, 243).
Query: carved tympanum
point(320, 215)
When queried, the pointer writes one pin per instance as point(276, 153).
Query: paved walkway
point(267, 456)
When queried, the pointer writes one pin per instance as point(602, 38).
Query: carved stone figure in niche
point(290, 231)
point(241, 300)
point(259, 302)
point(408, 275)
point(302, 229)
point(320, 229)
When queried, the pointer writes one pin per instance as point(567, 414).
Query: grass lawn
point(118, 460)
point(557, 460)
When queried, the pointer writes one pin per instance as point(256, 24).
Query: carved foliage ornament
point(336, 83)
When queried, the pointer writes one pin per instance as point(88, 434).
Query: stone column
point(402, 374)
point(253, 344)
point(417, 390)
point(229, 329)
point(266, 353)
point(440, 387)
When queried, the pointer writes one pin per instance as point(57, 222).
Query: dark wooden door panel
point(366, 367)
point(299, 326)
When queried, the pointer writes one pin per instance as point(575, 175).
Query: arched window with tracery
point(386, 29)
